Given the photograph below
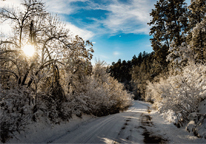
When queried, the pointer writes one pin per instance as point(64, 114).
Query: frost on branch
point(179, 56)
point(179, 95)
point(16, 111)
point(98, 93)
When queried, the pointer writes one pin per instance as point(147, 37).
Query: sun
point(29, 50)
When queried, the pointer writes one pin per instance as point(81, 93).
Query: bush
point(179, 95)
point(98, 94)
point(16, 111)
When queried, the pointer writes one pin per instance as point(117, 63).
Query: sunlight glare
point(29, 50)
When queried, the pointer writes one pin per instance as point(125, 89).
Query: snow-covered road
point(136, 125)
point(122, 128)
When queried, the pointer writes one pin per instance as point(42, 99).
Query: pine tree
point(134, 60)
point(197, 37)
point(168, 26)
point(160, 41)
point(176, 22)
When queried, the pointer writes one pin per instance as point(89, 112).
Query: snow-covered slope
point(171, 132)
point(44, 131)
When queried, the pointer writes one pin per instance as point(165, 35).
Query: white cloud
point(6, 26)
point(10, 3)
point(61, 6)
point(6, 29)
point(128, 18)
point(116, 53)
point(93, 42)
point(53, 6)
point(131, 17)
point(64, 7)
point(85, 34)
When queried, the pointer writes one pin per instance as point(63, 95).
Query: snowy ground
point(136, 125)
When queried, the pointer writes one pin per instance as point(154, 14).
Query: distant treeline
point(134, 73)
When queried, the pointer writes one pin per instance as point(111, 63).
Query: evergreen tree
point(176, 22)
point(168, 24)
point(133, 74)
point(141, 73)
point(160, 41)
point(197, 37)
point(134, 60)
point(139, 59)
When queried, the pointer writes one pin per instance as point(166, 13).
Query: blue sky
point(117, 28)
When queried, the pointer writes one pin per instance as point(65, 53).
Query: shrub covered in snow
point(15, 111)
point(97, 94)
point(179, 56)
point(179, 95)
point(197, 123)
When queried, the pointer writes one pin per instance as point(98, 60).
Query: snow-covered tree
point(57, 79)
point(98, 93)
point(196, 38)
point(168, 26)
point(54, 46)
point(179, 94)
point(37, 75)
point(180, 56)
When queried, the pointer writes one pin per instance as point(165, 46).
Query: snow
point(202, 107)
point(124, 127)
point(171, 132)
point(190, 126)
point(170, 116)
point(43, 132)
point(200, 127)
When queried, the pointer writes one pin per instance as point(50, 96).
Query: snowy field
point(138, 124)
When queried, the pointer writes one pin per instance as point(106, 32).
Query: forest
point(172, 77)
point(58, 80)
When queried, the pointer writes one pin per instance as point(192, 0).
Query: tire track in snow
point(89, 132)
point(106, 129)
